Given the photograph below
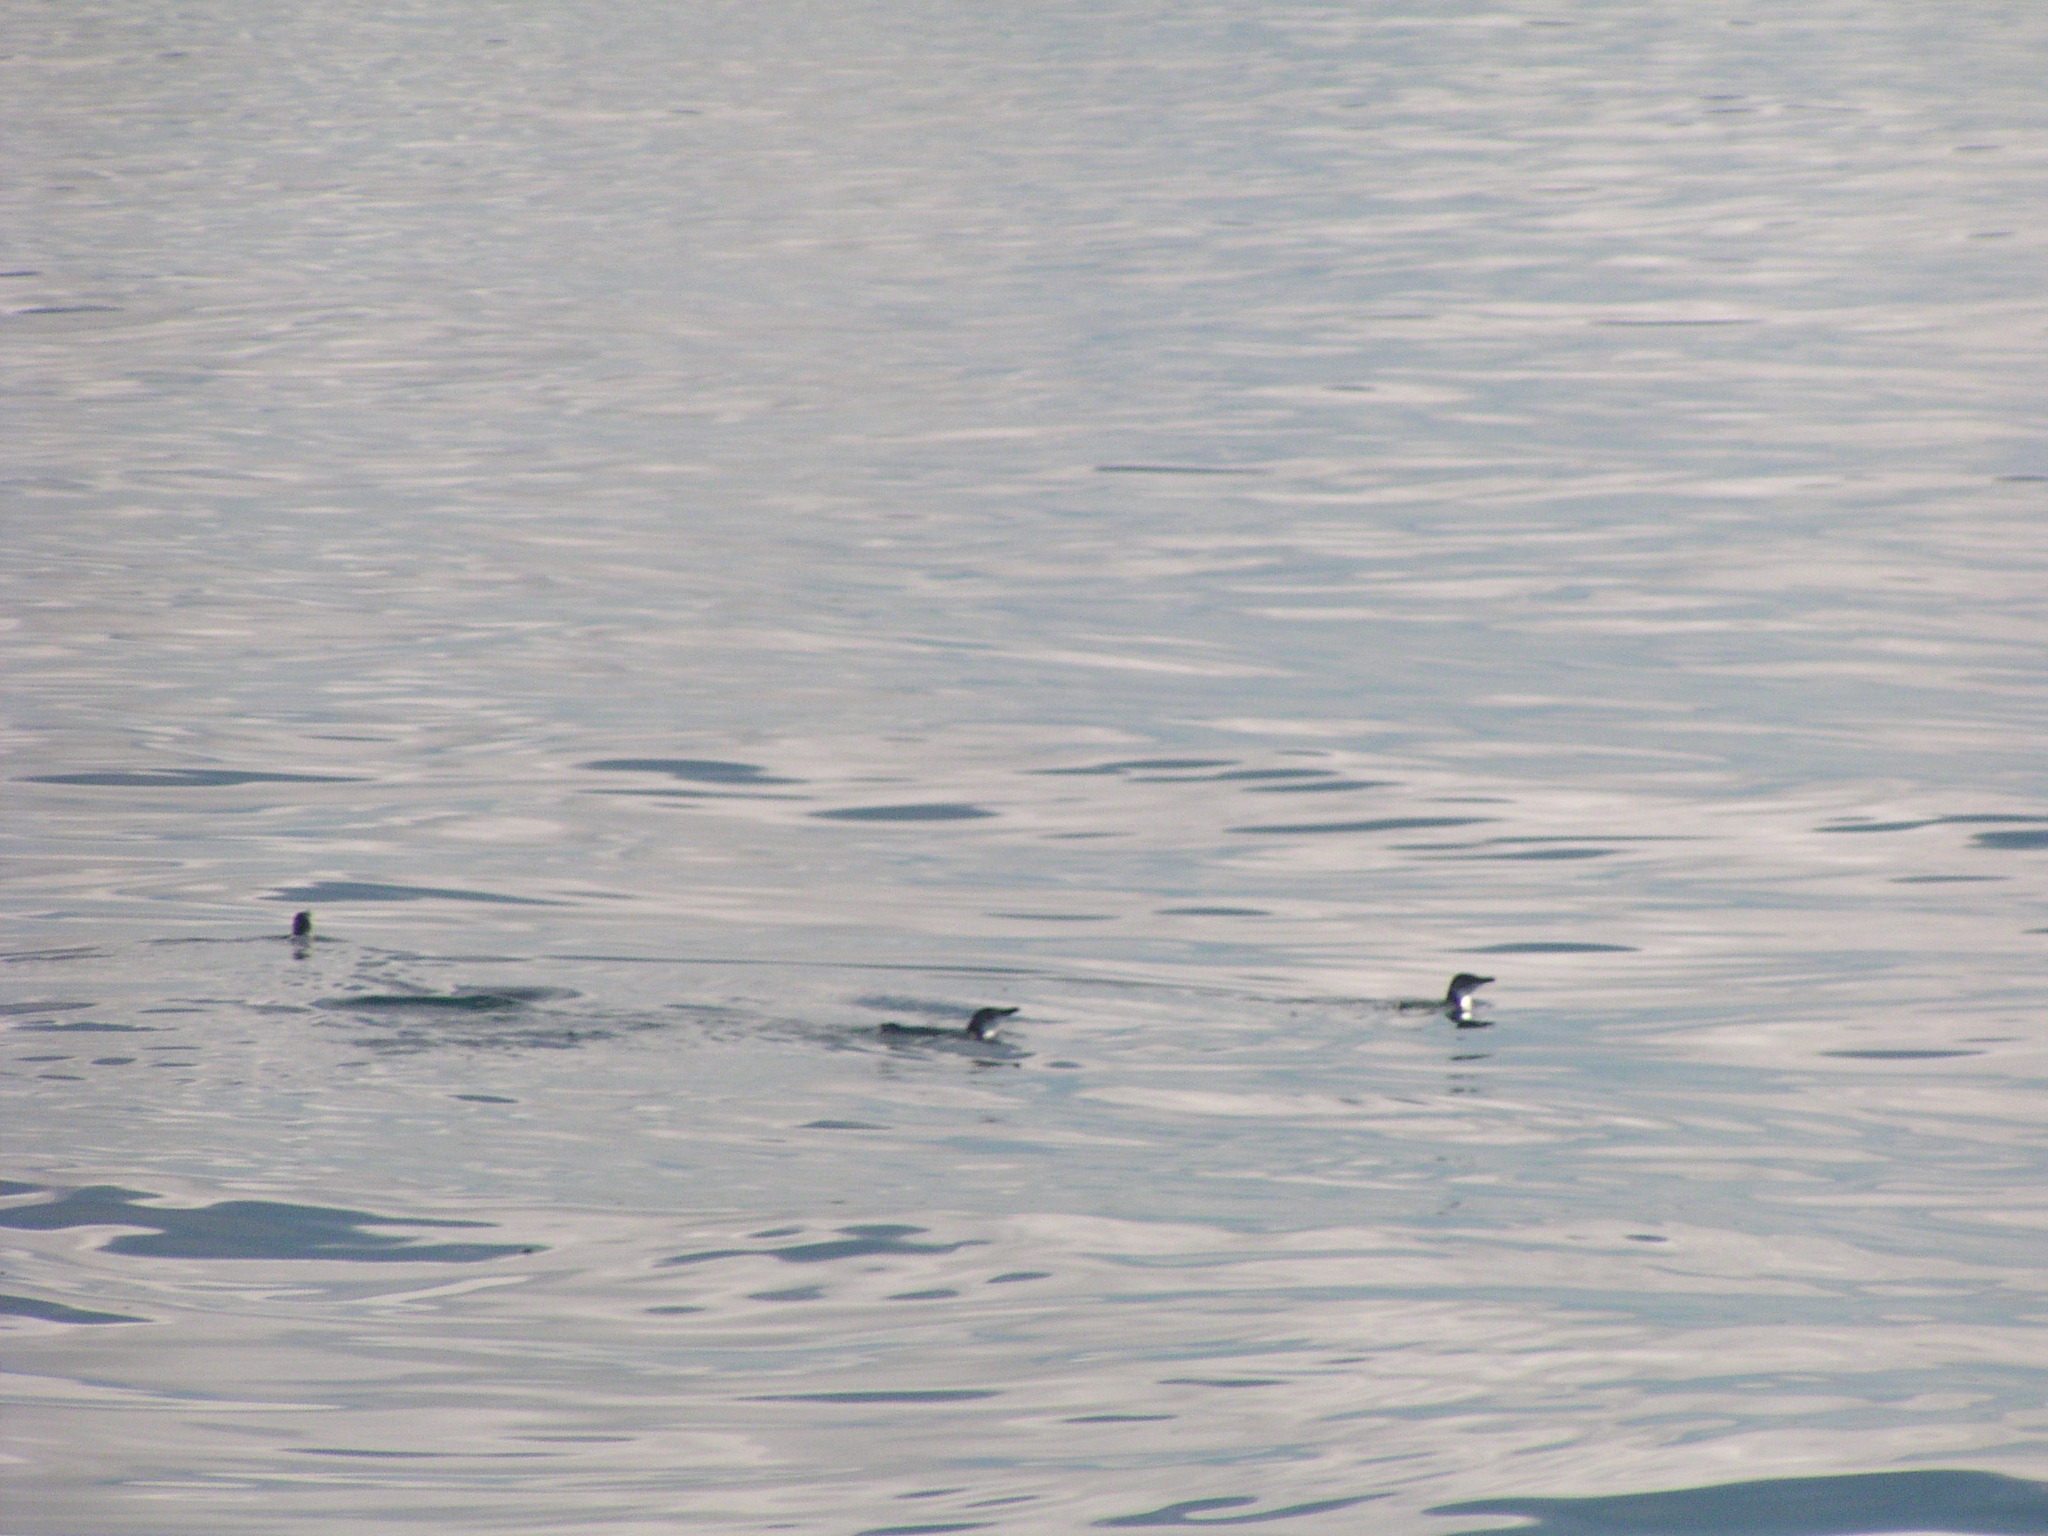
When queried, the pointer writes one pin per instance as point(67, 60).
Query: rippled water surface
point(685, 533)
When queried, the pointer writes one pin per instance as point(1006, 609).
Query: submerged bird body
point(981, 1026)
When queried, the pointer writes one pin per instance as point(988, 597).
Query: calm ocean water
point(682, 533)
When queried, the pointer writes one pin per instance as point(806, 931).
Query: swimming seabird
point(979, 1027)
point(302, 925)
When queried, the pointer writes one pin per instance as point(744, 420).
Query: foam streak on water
point(686, 533)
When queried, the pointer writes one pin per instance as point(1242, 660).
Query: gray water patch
point(248, 1229)
point(327, 892)
point(1975, 819)
point(1056, 917)
point(2012, 840)
point(1177, 469)
point(959, 1395)
point(1324, 786)
point(86, 1027)
point(938, 811)
point(1201, 1512)
point(1538, 855)
point(867, 1240)
point(464, 1000)
point(1383, 824)
point(57, 1312)
point(1122, 1418)
point(695, 796)
point(1552, 947)
point(1137, 765)
point(701, 770)
point(1270, 773)
point(185, 778)
point(1858, 1504)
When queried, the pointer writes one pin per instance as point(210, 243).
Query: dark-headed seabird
point(980, 1027)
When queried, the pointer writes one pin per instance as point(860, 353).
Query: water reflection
point(57, 1312)
point(1967, 1503)
point(327, 892)
point(1199, 1512)
point(858, 1242)
point(247, 1229)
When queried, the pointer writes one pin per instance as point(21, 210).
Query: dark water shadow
point(249, 1229)
point(53, 956)
point(87, 1027)
point(1177, 469)
point(1865, 1504)
point(935, 811)
point(1192, 1512)
point(905, 967)
point(186, 778)
point(326, 892)
point(2033, 836)
point(1899, 1055)
point(692, 797)
point(1054, 917)
point(697, 770)
point(961, 1395)
point(2012, 841)
point(1320, 786)
point(1538, 854)
point(856, 1242)
point(1384, 824)
point(57, 1312)
point(1276, 773)
point(462, 1000)
point(1138, 764)
point(478, 1018)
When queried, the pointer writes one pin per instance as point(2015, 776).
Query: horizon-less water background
point(684, 532)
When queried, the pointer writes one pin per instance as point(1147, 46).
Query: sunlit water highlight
point(686, 534)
